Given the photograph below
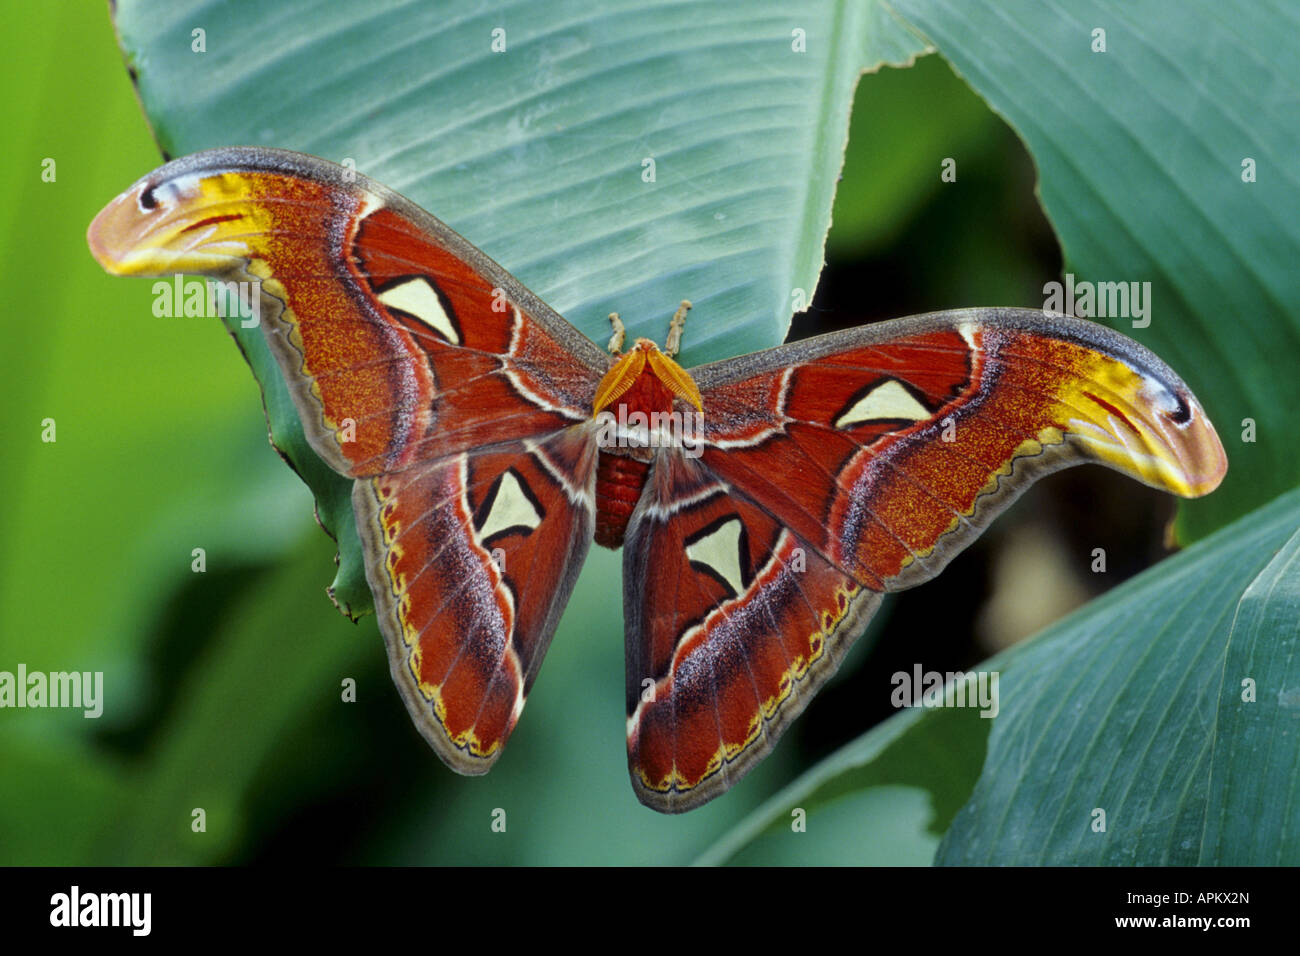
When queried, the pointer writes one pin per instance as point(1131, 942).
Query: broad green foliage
point(900, 784)
point(1253, 788)
point(1118, 709)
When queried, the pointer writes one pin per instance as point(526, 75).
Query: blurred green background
point(223, 689)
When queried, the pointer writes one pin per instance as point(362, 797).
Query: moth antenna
point(619, 336)
point(675, 327)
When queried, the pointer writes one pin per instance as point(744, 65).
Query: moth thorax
point(645, 380)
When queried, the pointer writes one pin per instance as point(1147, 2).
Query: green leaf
point(884, 799)
point(540, 154)
point(1118, 708)
point(1254, 800)
point(1140, 152)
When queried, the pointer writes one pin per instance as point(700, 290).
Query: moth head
point(650, 380)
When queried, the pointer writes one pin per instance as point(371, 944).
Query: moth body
point(645, 402)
